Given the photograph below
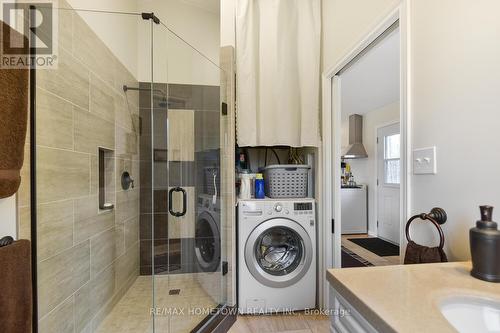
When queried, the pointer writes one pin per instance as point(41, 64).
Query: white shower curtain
point(278, 72)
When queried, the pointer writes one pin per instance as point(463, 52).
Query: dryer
point(276, 255)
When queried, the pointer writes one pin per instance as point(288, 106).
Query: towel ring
point(437, 216)
point(7, 240)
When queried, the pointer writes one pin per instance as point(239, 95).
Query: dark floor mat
point(378, 246)
point(350, 259)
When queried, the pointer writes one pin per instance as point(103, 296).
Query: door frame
point(331, 152)
point(377, 128)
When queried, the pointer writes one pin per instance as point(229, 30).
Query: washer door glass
point(279, 250)
point(207, 243)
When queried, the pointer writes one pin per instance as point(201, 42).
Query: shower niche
point(106, 179)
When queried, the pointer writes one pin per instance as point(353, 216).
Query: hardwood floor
point(367, 255)
point(296, 323)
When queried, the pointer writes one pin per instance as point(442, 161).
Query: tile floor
point(132, 313)
point(367, 255)
point(297, 323)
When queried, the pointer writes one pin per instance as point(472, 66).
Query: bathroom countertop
point(406, 298)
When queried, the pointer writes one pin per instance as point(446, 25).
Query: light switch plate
point(424, 161)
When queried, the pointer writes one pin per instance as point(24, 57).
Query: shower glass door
point(188, 252)
point(88, 223)
point(125, 216)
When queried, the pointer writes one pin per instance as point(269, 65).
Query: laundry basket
point(286, 181)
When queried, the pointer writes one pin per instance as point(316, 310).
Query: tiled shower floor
point(132, 314)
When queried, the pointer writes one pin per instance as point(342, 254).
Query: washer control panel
point(285, 207)
point(301, 206)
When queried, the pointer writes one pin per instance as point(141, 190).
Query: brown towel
point(419, 254)
point(13, 120)
point(15, 287)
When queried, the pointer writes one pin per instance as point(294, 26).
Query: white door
point(388, 180)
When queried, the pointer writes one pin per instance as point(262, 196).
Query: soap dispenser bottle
point(485, 247)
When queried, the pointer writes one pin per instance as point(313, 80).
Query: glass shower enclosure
point(126, 218)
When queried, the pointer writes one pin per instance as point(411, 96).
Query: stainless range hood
point(356, 148)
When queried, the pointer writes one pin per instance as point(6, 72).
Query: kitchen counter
point(406, 298)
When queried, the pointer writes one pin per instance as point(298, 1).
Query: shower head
point(126, 88)
point(165, 101)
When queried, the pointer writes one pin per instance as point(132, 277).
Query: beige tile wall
point(181, 135)
point(86, 258)
point(228, 141)
point(184, 226)
point(181, 146)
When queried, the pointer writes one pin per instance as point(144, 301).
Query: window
point(392, 168)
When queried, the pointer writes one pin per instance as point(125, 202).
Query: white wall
point(346, 21)
point(456, 103)
point(8, 217)
point(174, 60)
point(227, 19)
point(117, 31)
point(364, 170)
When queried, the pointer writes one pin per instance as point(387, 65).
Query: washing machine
point(276, 255)
point(207, 246)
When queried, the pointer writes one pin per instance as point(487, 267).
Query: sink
point(469, 314)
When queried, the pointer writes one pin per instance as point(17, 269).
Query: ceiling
point(373, 80)
point(209, 5)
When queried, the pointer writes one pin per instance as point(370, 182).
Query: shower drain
point(174, 292)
